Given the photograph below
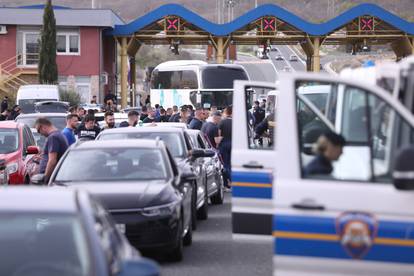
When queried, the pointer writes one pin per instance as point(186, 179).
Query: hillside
point(312, 10)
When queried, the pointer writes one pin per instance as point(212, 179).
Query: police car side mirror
point(403, 174)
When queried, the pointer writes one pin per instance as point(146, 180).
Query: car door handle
point(308, 204)
point(253, 165)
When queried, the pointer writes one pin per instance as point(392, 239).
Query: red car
point(19, 151)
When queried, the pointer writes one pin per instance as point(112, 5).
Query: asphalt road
point(214, 252)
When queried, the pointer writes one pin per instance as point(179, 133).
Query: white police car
point(357, 220)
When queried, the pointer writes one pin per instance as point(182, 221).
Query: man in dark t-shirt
point(211, 130)
point(88, 130)
point(197, 121)
point(225, 143)
point(55, 146)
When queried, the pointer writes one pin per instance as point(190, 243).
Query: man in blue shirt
point(72, 121)
point(55, 146)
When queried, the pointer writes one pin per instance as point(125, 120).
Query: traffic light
point(366, 23)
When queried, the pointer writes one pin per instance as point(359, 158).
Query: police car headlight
point(161, 210)
point(12, 168)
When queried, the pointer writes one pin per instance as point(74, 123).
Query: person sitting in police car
point(328, 149)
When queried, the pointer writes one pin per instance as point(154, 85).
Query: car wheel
point(194, 208)
point(218, 197)
point(176, 255)
point(202, 213)
point(188, 238)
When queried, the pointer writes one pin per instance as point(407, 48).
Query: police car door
point(252, 162)
point(353, 221)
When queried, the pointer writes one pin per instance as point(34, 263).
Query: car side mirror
point(140, 267)
point(197, 153)
point(38, 179)
point(32, 150)
point(209, 153)
point(188, 176)
point(403, 174)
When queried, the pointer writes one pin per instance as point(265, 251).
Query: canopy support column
point(124, 72)
point(316, 60)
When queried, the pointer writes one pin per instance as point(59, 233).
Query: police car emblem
point(357, 232)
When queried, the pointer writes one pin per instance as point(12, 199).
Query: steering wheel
point(43, 268)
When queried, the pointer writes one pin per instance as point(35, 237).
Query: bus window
point(186, 79)
point(221, 77)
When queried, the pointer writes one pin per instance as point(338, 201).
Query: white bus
point(194, 82)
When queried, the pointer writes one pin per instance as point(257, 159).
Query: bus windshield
point(174, 79)
point(221, 77)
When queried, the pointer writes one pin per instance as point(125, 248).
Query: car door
point(252, 164)
point(352, 221)
point(209, 166)
point(184, 188)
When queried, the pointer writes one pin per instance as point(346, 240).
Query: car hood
point(129, 195)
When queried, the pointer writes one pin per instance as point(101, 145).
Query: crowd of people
point(82, 125)
point(7, 113)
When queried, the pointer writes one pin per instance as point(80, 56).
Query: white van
point(28, 95)
point(356, 220)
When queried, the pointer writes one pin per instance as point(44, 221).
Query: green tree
point(47, 57)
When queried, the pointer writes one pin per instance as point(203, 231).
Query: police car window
point(260, 117)
point(361, 145)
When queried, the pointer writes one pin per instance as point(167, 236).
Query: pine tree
point(47, 67)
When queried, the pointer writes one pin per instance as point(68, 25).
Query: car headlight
point(12, 168)
point(160, 210)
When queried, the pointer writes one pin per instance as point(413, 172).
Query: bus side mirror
point(403, 174)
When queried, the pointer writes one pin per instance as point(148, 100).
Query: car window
point(200, 141)
point(32, 244)
point(261, 125)
point(108, 164)
point(9, 140)
point(373, 133)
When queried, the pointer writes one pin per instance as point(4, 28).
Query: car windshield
point(51, 107)
point(42, 244)
point(109, 164)
point(28, 105)
point(172, 140)
point(58, 121)
point(9, 140)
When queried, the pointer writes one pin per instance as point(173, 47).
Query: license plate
point(121, 228)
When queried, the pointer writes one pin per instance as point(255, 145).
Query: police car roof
point(38, 199)
point(119, 143)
